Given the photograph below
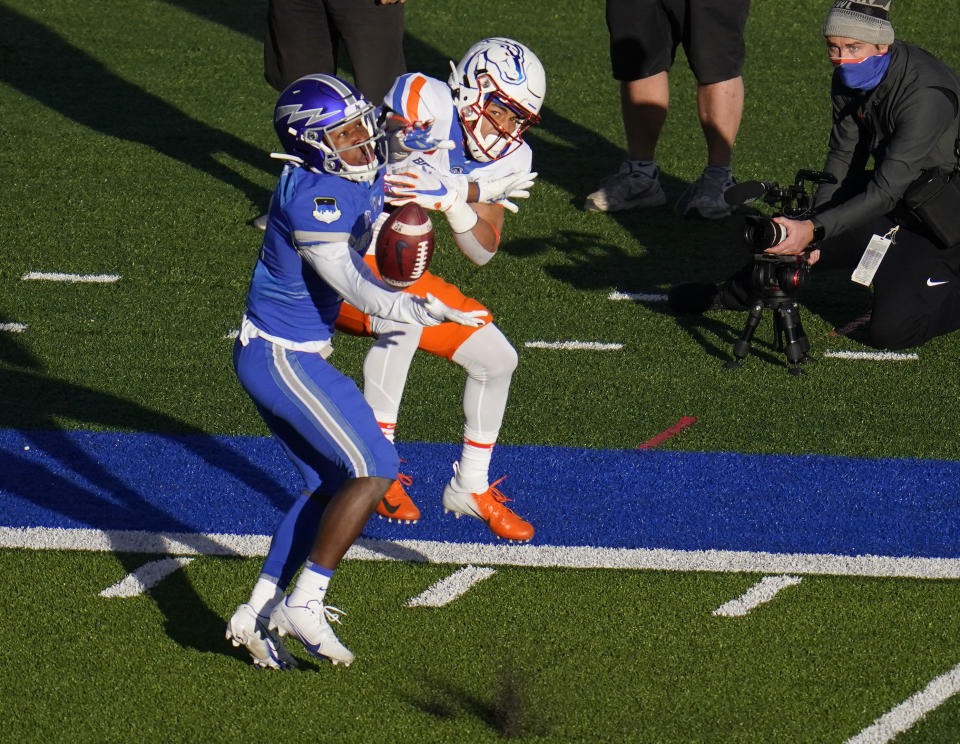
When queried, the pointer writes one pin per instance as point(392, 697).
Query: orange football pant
point(442, 340)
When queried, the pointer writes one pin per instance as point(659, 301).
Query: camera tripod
point(787, 330)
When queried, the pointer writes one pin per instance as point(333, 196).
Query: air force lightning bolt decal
point(296, 112)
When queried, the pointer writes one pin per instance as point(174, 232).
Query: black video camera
point(773, 273)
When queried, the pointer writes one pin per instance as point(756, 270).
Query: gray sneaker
point(626, 189)
point(704, 197)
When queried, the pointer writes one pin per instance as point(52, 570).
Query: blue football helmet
point(311, 109)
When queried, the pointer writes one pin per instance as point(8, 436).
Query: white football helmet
point(507, 72)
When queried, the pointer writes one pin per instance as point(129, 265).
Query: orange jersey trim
point(413, 98)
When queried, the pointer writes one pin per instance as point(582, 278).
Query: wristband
point(461, 217)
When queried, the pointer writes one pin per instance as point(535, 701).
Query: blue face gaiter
point(862, 74)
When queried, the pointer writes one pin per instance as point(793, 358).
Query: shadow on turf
point(43, 65)
point(506, 711)
point(33, 403)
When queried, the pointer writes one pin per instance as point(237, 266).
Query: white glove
point(444, 314)
point(432, 189)
point(428, 187)
point(415, 137)
point(501, 190)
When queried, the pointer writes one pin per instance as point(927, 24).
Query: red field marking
point(667, 433)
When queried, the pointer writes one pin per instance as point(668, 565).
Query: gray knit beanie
point(864, 20)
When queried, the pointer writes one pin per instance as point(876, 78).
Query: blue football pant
point(327, 430)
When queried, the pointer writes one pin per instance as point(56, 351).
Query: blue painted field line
point(620, 499)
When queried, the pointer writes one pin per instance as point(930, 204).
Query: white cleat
point(246, 628)
point(310, 624)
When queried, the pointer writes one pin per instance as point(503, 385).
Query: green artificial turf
point(135, 137)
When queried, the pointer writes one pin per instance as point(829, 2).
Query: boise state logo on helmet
point(503, 71)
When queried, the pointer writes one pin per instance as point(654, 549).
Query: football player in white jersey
point(320, 224)
point(457, 147)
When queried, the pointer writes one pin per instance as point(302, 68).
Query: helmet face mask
point(310, 114)
point(497, 73)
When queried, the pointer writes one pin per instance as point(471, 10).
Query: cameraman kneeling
point(901, 105)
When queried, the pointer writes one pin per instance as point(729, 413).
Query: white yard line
point(573, 345)
point(53, 276)
point(637, 296)
point(550, 556)
point(876, 356)
point(149, 574)
point(13, 327)
point(454, 586)
point(902, 717)
point(756, 595)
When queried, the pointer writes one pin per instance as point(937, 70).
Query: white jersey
point(417, 97)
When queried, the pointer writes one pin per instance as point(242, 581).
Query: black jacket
point(908, 123)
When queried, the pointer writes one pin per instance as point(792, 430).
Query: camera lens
point(761, 233)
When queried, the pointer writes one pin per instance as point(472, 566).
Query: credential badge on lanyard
point(872, 256)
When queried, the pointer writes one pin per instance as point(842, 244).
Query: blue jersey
point(287, 299)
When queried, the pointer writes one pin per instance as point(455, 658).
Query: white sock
point(265, 595)
point(474, 468)
point(311, 584)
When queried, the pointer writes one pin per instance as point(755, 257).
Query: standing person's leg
point(643, 105)
point(720, 108)
point(643, 40)
point(373, 36)
point(714, 43)
point(299, 41)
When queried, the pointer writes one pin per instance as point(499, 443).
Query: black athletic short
point(645, 34)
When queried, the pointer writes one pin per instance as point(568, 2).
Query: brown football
point(405, 246)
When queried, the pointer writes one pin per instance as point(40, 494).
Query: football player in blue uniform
point(319, 226)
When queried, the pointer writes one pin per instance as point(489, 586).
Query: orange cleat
point(396, 504)
point(488, 507)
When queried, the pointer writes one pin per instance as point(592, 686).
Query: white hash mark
point(637, 296)
point(454, 586)
point(877, 356)
point(149, 574)
point(53, 276)
point(763, 591)
point(573, 345)
point(902, 717)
